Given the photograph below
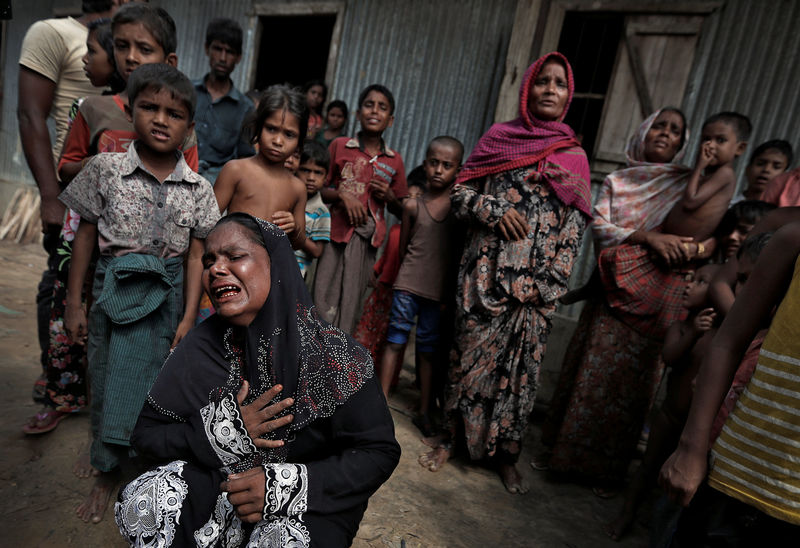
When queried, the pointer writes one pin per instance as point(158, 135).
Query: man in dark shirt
point(221, 108)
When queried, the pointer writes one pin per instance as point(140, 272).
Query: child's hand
point(704, 320)
point(356, 211)
point(373, 279)
point(183, 328)
point(75, 324)
point(285, 221)
point(705, 156)
point(380, 190)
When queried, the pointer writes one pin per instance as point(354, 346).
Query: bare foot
point(433, 460)
point(617, 528)
point(83, 464)
point(93, 508)
point(513, 480)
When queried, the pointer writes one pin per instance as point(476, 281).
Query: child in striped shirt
point(313, 171)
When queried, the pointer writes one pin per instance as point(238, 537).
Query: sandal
point(44, 421)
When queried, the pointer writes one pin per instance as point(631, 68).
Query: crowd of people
point(228, 297)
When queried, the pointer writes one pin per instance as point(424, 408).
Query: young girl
point(335, 119)
point(316, 92)
point(261, 185)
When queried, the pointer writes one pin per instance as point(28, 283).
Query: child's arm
point(686, 468)
point(226, 184)
point(383, 191)
point(293, 223)
point(407, 223)
point(74, 313)
point(75, 152)
point(681, 337)
point(720, 290)
point(192, 284)
point(698, 192)
point(313, 247)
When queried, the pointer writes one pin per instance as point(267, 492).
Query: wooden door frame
point(267, 8)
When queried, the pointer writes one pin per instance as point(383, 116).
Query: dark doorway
point(590, 40)
point(293, 49)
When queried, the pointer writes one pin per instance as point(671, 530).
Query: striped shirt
point(756, 458)
point(318, 229)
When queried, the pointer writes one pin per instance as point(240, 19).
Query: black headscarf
point(287, 343)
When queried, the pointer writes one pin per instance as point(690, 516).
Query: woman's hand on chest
point(261, 418)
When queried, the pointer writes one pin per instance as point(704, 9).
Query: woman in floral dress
point(524, 193)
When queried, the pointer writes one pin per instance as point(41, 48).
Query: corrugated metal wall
point(748, 60)
point(442, 60)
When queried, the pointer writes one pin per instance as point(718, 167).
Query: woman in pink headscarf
point(524, 193)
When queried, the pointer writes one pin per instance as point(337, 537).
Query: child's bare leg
point(390, 353)
point(665, 431)
point(425, 381)
point(83, 464)
point(93, 508)
point(423, 419)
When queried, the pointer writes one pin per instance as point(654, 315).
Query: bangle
point(700, 248)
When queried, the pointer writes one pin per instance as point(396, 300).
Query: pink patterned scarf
point(526, 141)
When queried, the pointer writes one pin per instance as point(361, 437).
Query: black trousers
point(44, 293)
point(716, 520)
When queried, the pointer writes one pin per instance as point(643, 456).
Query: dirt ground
point(462, 505)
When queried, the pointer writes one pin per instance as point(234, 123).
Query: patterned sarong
point(644, 295)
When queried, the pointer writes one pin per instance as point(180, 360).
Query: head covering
point(287, 343)
point(527, 140)
point(639, 196)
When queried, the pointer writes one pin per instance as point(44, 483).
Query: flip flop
point(43, 422)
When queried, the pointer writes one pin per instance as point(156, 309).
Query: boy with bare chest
point(713, 181)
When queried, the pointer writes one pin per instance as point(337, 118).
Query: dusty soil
point(462, 505)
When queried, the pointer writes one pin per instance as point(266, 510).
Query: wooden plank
point(637, 71)
point(518, 57)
